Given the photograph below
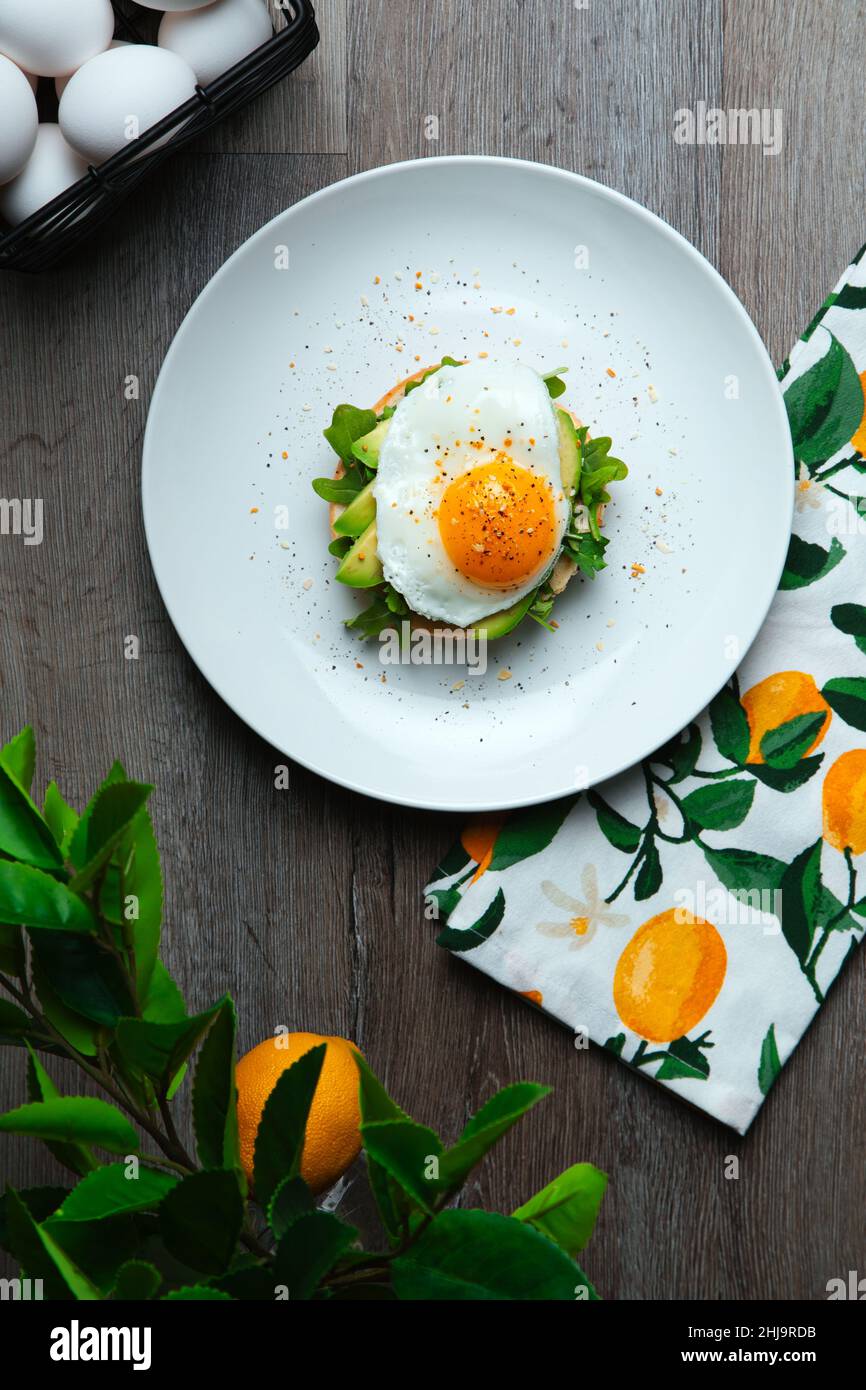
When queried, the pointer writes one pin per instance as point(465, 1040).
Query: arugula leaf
point(542, 607)
point(587, 552)
point(380, 614)
point(343, 490)
point(348, 424)
point(554, 383)
point(373, 619)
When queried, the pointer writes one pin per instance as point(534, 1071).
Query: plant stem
point(99, 1075)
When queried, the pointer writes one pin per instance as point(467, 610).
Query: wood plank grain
point(590, 89)
point(789, 224)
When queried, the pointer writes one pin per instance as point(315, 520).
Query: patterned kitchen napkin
point(691, 914)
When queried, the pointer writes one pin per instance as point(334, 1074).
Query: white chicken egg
point(53, 167)
point(61, 83)
point(52, 37)
point(119, 95)
point(214, 39)
point(470, 507)
point(18, 120)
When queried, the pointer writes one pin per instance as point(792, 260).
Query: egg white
point(502, 401)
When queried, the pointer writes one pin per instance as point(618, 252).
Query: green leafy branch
point(81, 908)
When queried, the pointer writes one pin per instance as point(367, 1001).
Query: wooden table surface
point(306, 903)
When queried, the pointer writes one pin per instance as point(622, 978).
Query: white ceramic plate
point(308, 313)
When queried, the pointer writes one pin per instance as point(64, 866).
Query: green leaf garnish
point(348, 423)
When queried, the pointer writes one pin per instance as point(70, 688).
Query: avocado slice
point(569, 452)
point(368, 446)
point(358, 515)
point(507, 618)
point(361, 567)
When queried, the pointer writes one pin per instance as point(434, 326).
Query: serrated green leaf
point(24, 834)
point(109, 1191)
point(85, 976)
point(487, 1127)
point(412, 1154)
point(42, 1257)
point(164, 1002)
point(131, 894)
point(214, 1096)
point(95, 839)
point(308, 1251)
point(137, 1281)
point(61, 819)
point(73, 1120)
point(31, 898)
point(280, 1138)
point(391, 1203)
point(292, 1199)
point(18, 757)
point(158, 1050)
point(200, 1220)
point(39, 1201)
point(565, 1211)
point(78, 1158)
point(80, 1032)
point(480, 1255)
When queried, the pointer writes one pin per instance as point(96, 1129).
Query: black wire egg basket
point(56, 229)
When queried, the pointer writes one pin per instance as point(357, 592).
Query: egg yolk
point(498, 524)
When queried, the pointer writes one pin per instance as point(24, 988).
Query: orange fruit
point(478, 839)
point(777, 700)
point(859, 437)
point(669, 975)
point(332, 1141)
point(844, 802)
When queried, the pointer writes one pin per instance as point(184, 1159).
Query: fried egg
point(470, 508)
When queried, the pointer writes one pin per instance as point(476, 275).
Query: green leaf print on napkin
point(769, 1065)
point(851, 619)
point(806, 563)
point(825, 405)
point(529, 832)
point(466, 938)
point(847, 696)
